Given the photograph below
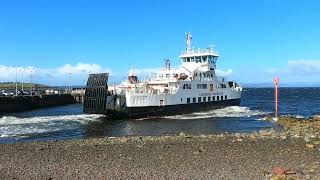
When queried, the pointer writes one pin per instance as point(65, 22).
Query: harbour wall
point(23, 103)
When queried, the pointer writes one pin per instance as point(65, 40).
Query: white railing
point(199, 51)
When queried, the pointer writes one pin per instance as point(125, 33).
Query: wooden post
point(276, 93)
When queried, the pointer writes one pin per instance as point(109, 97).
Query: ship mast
point(188, 41)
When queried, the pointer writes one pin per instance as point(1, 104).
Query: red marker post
point(276, 94)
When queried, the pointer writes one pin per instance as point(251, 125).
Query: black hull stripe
point(152, 111)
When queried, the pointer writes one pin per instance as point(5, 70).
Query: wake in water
point(231, 111)
point(11, 126)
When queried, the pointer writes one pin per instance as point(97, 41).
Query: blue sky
point(257, 39)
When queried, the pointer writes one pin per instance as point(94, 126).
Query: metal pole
point(31, 85)
point(69, 90)
point(22, 80)
point(16, 81)
point(276, 93)
point(70, 82)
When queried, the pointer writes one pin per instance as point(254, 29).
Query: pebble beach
point(291, 152)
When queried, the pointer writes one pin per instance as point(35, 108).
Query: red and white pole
point(276, 94)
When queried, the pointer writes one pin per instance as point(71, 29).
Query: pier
point(23, 103)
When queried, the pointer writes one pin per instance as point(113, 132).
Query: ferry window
point(221, 97)
point(188, 59)
point(184, 86)
point(204, 86)
point(209, 98)
point(217, 98)
point(213, 98)
point(194, 100)
point(198, 59)
point(167, 75)
point(188, 100)
point(204, 58)
point(225, 97)
point(199, 99)
point(204, 99)
point(181, 99)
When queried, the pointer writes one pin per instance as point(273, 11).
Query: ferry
point(191, 87)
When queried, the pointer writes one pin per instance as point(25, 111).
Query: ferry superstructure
point(193, 86)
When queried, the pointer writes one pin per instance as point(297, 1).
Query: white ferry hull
point(155, 111)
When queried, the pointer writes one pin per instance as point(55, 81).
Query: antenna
point(188, 41)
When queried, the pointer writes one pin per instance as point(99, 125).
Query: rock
point(283, 137)
point(195, 153)
point(289, 172)
point(239, 140)
point(182, 134)
point(237, 134)
point(278, 170)
point(201, 149)
point(296, 136)
point(316, 117)
point(278, 177)
point(311, 146)
point(306, 139)
point(316, 142)
point(140, 145)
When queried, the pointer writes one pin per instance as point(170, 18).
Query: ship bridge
point(198, 60)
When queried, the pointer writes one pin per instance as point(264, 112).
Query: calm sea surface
point(68, 122)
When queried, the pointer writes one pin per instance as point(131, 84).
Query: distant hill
point(12, 85)
point(266, 85)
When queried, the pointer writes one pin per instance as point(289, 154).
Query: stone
point(311, 146)
point(316, 117)
point(278, 170)
point(196, 153)
point(278, 177)
point(289, 172)
point(296, 136)
point(201, 149)
point(316, 142)
point(283, 137)
point(182, 134)
point(239, 140)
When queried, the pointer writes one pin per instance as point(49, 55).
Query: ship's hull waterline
point(159, 111)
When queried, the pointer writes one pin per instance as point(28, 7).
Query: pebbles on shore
point(292, 152)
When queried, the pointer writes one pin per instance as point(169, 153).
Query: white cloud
point(223, 73)
point(304, 67)
point(81, 68)
point(51, 76)
point(272, 70)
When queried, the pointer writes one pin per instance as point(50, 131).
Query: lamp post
point(22, 79)
point(69, 82)
point(31, 81)
point(16, 80)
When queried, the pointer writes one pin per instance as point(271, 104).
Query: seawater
point(68, 122)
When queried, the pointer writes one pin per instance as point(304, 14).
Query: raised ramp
point(95, 97)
